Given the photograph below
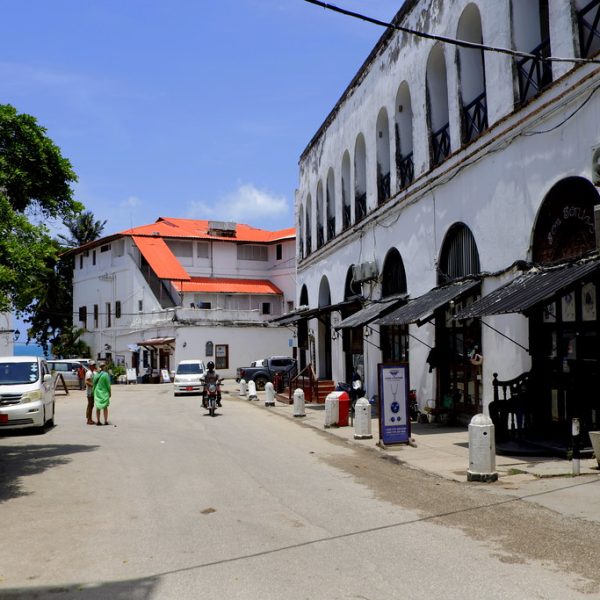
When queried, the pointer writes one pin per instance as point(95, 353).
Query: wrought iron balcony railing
point(406, 170)
point(534, 73)
point(475, 118)
point(361, 206)
point(383, 188)
point(588, 20)
point(440, 143)
point(346, 216)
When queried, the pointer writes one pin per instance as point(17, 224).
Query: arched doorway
point(324, 331)
point(352, 338)
point(393, 338)
point(302, 331)
point(459, 383)
point(564, 332)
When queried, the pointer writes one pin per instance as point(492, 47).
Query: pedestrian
point(81, 376)
point(101, 393)
point(89, 391)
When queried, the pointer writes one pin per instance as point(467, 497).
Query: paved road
point(167, 503)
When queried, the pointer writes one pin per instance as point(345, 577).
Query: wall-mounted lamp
point(334, 334)
point(367, 331)
point(16, 334)
point(107, 347)
point(311, 333)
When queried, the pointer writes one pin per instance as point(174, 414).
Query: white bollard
point(332, 410)
point(362, 420)
point(269, 394)
point(482, 450)
point(243, 387)
point(252, 391)
point(299, 403)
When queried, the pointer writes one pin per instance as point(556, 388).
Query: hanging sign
point(394, 420)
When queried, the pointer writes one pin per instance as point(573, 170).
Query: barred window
point(118, 309)
point(252, 252)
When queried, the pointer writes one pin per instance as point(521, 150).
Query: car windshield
point(189, 369)
point(12, 373)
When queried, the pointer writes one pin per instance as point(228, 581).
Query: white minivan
point(26, 393)
point(189, 377)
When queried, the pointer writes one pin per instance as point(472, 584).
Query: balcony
point(440, 144)
point(588, 19)
point(475, 120)
point(383, 188)
point(534, 73)
point(219, 315)
point(361, 206)
point(406, 170)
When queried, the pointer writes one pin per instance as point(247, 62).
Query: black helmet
point(211, 365)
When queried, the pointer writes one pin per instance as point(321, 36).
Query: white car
point(189, 377)
point(26, 393)
point(68, 370)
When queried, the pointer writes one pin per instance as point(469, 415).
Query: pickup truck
point(261, 375)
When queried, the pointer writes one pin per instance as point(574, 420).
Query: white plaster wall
point(495, 186)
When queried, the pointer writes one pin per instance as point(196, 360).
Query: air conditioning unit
point(364, 272)
point(596, 165)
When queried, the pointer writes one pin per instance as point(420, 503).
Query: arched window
point(383, 156)
point(472, 76)
point(308, 225)
point(459, 256)
point(301, 232)
point(360, 179)
point(393, 280)
point(564, 227)
point(437, 95)
point(331, 202)
point(403, 127)
point(531, 33)
point(346, 194)
point(320, 216)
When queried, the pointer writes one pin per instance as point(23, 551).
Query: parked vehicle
point(188, 377)
point(261, 375)
point(26, 393)
point(68, 369)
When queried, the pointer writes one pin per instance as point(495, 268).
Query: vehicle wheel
point(260, 383)
point(51, 420)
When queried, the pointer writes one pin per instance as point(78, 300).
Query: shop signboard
point(394, 419)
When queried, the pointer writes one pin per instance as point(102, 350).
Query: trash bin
point(343, 409)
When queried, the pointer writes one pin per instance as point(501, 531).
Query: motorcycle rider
point(211, 376)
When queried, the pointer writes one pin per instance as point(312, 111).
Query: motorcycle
point(211, 395)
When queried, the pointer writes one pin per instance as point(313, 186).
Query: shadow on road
point(20, 461)
point(134, 589)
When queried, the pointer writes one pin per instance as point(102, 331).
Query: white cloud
point(130, 202)
point(247, 204)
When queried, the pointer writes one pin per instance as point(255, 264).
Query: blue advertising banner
point(394, 420)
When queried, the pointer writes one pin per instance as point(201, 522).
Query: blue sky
point(183, 108)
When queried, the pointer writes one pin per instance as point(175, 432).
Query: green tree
point(83, 228)
point(34, 178)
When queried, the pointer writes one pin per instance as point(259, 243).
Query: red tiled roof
point(160, 258)
point(228, 286)
point(198, 229)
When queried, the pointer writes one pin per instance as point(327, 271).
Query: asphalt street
point(169, 503)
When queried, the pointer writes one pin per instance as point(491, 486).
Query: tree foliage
point(83, 229)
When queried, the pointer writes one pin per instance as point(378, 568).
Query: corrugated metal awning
point(305, 313)
point(529, 290)
point(421, 309)
point(163, 262)
point(228, 285)
point(372, 311)
point(154, 343)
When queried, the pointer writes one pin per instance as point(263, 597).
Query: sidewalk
point(444, 451)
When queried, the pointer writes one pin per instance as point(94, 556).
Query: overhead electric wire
point(452, 41)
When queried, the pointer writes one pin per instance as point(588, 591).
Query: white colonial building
point(442, 173)
point(178, 289)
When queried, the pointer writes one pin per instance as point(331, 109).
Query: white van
point(26, 393)
point(189, 377)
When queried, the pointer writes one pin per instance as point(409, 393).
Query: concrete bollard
point(252, 391)
point(482, 450)
point(362, 420)
point(243, 387)
point(332, 410)
point(299, 403)
point(269, 394)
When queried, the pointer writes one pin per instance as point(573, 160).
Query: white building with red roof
point(177, 289)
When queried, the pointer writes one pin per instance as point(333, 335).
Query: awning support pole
point(505, 336)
